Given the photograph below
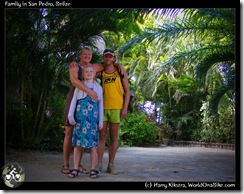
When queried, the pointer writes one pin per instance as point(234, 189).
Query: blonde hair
point(94, 72)
point(85, 48)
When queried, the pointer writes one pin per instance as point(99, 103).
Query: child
point(86, 116)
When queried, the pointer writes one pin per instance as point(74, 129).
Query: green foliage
point(136, 129)
point(222, 131)
point(172, 62)
point(196, 41)
point(13, 134)
point(53, 140)
point(185, 84)
point(166, 130)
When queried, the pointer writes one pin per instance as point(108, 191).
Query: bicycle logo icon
point(13, 175)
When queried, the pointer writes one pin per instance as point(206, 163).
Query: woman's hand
point(93, 95)
point(73, 64)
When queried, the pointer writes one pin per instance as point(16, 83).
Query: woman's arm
point(73, 74)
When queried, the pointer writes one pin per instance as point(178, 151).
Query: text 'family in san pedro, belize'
point(34, 4)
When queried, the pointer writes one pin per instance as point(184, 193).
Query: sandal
point(74, 173)
point(83, 170)
point(93, 174)
point(65, 169)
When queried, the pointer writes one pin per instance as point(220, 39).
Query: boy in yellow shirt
point(116, 97)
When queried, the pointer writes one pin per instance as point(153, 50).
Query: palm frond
point(216, 98)
point(210, 60)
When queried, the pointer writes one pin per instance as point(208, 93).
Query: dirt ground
point(136, 166)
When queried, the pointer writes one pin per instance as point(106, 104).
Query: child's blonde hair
point(94, 72)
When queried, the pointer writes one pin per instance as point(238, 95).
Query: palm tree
point(39, 44)
point(195, 40)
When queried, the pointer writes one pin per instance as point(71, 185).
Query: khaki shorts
point(112, 116)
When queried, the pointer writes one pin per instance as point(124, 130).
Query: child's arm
point(100, 107)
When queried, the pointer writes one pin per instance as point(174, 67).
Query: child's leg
point(93, 157)
point(77, 156)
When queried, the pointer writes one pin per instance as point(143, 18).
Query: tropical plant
point(136, 129)
point(180, 60)
point(209, 39)
point(39, 44)
point(197, 43)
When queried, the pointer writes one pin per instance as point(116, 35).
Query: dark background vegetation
point(181, 65)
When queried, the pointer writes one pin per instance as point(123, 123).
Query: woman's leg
point(67, 148)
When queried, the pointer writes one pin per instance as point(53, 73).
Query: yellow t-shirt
point(112, 90)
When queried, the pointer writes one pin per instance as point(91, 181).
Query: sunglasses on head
point(108, 50)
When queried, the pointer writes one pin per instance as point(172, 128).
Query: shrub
point(136, 129)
